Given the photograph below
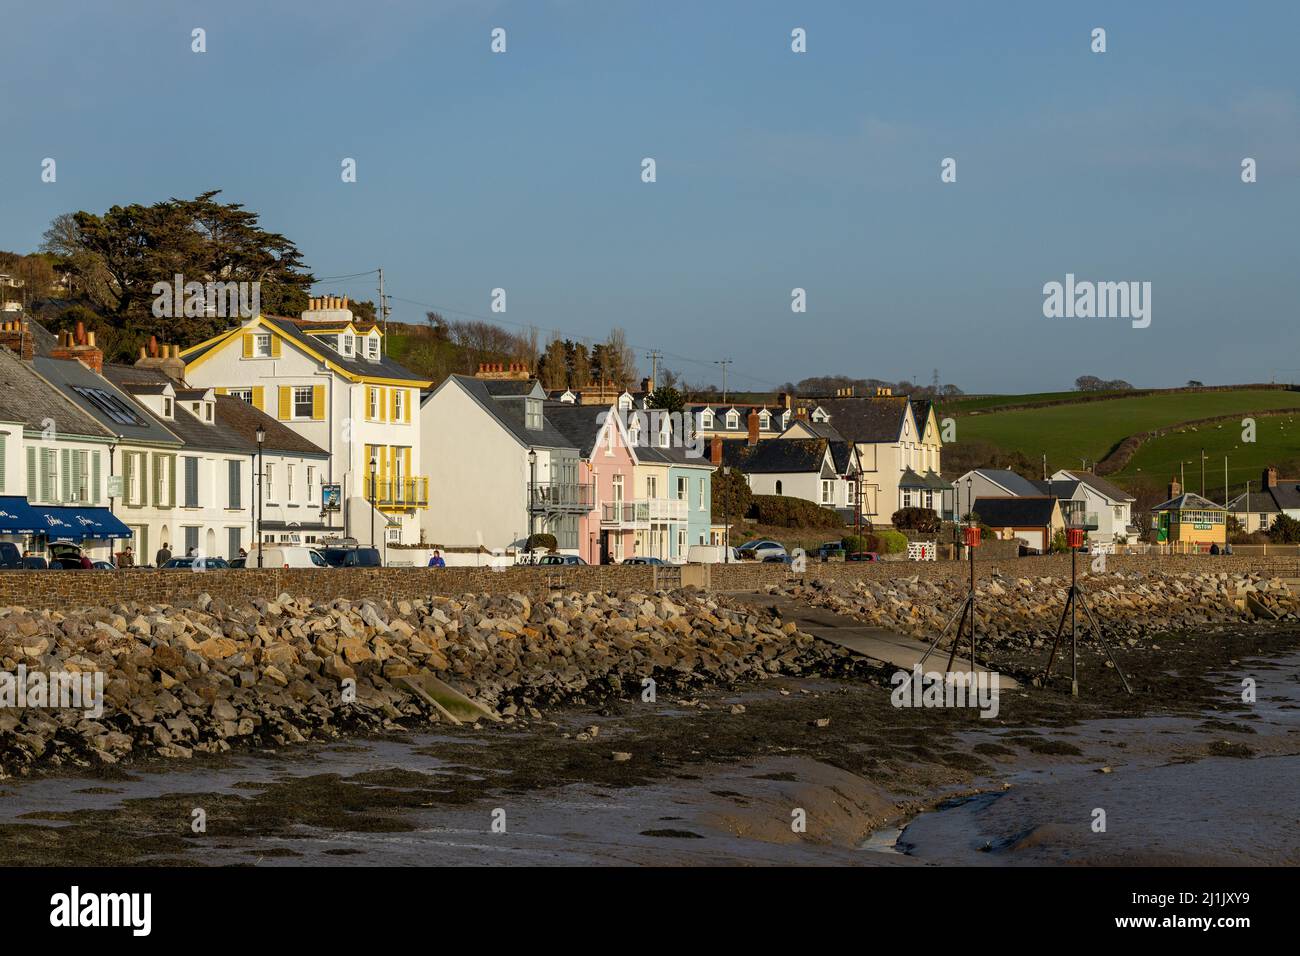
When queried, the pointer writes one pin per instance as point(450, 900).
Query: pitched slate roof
point(1015, 512)
point(578, 424)
point(742, 421)
point(103, 401)
point(294, 330)
point(27, 397)
point(234, 428)
point(1057, 488)
point(1101, 486)
point(1188, 501)
point(1261, 502)
point(921, 413)
point(816, 429)
point(776, 455)
point(867, 420)
point(1014, 484)
point(510, 414)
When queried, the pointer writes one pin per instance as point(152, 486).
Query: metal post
point(258, 532)
point(373, 498)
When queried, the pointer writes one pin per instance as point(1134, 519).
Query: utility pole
point(653, 356)
point(724, 363)
point(382, 314)
point(1202, 472)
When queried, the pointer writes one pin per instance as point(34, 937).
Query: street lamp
point(261, 438)
point(373, 498)
point(532, 490)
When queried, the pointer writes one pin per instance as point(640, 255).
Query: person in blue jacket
point(436, 561)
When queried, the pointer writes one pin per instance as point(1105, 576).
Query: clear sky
point(775, 170)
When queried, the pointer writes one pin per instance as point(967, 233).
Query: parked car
point(288, 557)
point(237, 562)
point(710, 554)
point(782, 558)
point(863, 556)
point(646, 560)
point(830, 549)
point(104, 565)
point(10, 556)
point(197, 564)
point(554, 559)
point(33, 563)
point(350, 557)
point(759, 549)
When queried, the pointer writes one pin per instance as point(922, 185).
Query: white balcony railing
point(643, 512)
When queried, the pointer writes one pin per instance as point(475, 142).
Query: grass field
point(1277, 440)
point(962, 406)
point(1068, 433)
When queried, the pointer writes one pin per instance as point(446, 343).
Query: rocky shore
point(185, 680)
point(1015, 613)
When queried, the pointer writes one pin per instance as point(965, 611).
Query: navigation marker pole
point(1076, 598)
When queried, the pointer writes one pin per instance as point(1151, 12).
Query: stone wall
point(66, 589)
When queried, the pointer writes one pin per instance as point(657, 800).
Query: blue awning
point(18, 517)
point(77, 524)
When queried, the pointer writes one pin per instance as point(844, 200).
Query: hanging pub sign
point(331, 497)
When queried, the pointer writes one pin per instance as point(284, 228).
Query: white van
point(709, 554)
point(288, 557)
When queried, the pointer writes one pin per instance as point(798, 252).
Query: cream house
point(326, 376)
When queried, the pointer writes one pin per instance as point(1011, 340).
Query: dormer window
point(706, 418)
point(372, 348)
point(785, 419)
point(262, 345)
point(819, 416)
point(533, 414)
point(346, 345)
point(168, 410)
point(764, 421)
point(733, 419)
point(625, 402)
point(634, 431)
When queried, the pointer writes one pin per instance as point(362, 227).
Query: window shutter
point(191, 482)
point(171, 481)
point(47, 474)
point(4, 453)
point(31, 472)
point(259, 398)
point(235, 487)
point(248, 345)
point(318, 403)
point(286, 403)
point(94, 478)
point(406, 407)
point(65, 476)
point(275, 346)
point(128, 469)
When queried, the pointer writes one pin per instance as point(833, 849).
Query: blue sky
point(775, 170)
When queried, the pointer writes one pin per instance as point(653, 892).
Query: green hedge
point(891, 542)
point(784, 512)
point(541, 542)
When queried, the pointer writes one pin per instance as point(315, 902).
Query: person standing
point(163, 556)
point(437, 561)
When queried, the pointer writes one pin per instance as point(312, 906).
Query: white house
point(498, 469)
point(1096, 502)
point(327, 377)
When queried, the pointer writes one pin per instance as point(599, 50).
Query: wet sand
point(1189, 781)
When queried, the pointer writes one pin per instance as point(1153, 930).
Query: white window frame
point(372, 403)
point(261, 345)
point(828, 491)
point(296, 397)
point(683, 488)
point(372, 348)
point(733, 419)
point(706, 419)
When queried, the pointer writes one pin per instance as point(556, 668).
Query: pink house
point(606, 533)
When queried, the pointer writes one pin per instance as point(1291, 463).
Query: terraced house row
point(300, 430)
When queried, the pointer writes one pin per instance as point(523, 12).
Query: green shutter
point(94, 478)
point(128, 469)
point(47, 481)
point(171, 482)
point(65, 474)
point(31, 472)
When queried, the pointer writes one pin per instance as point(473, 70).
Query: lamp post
point(532, 490)
point(261, 437)
point(373, 499)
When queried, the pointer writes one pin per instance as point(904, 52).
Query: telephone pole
point(653, 356)
point(382, 312)
point(724, 363)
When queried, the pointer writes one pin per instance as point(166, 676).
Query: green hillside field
point(1068, 433)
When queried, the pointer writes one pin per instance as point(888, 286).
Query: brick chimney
point(1270, 477)
point(801, 412)
point(16, 336)
point(785, 400)
point(753, 428)
point(715, 450)
point(515, 371)
point(1175, 489)
point(166, 358)
point(80, 345)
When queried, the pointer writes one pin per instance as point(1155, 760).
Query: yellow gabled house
point(326, 376)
